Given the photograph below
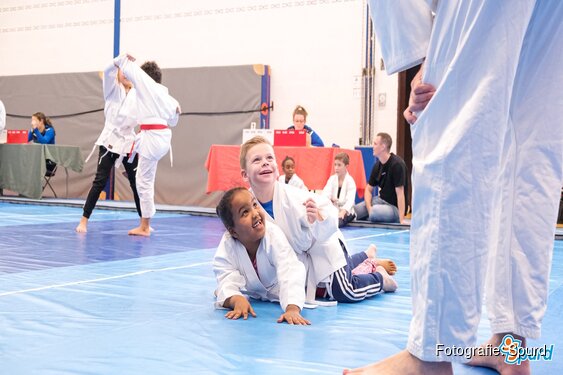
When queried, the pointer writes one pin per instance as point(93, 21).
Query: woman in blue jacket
point(299, 119)
point(42, 130)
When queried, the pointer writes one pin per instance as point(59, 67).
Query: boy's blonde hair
point(343, 157)
point(246, 146)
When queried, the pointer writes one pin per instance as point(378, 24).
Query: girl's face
point(340, 168)
point(249, 219)
point(289, 168)
point(37, 123)
point(299, 122)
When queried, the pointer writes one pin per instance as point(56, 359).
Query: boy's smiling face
point(261, 166)
point(248, 218)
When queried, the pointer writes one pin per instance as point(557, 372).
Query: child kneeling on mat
point(255, 260)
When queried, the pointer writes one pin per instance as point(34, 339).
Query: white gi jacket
point(347, 193)
point(482, 206)
point(2, 116)
point(154, 107)
point(282, 276)
point(317, 245)
point(295, 180)
point(118, 134)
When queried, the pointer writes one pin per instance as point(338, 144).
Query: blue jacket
point(46, 138)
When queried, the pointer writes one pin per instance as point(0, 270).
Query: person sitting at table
point(341, 189)
point(290, 177)
point(299, 120)
point(42, 130)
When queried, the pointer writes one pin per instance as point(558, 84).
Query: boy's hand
point(313, 213)
point(241, 307)
point(292, 316)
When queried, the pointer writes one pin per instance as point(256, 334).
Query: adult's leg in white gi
point(457, 147)
point(519, 266)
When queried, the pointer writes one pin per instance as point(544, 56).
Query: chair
point(50, 173)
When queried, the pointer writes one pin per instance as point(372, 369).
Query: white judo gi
point(2, 116)
point(156, 113)
point(295, 180)
point(281, 276)
point(120, 108)
point(347, 197)
point(487, 161)
point(317, 245)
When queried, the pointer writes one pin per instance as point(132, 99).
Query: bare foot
point(389, 284)
point(139, 231)
point(404, 363)
point(389, 265)
point(82, 226)
point(498, 363)
point(371, 251)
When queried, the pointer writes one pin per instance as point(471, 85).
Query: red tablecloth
point(313, 164)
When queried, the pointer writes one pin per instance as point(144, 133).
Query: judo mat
point(107, 303)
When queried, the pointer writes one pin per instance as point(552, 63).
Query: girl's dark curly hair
point(152, 69)
point(224, 209)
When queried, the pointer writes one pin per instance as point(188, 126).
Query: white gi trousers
point(487, 172)
point(151, 145)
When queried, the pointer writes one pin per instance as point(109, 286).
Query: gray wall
point(199, 90)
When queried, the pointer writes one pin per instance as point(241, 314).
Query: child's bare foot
point(497, 363)
point(404, 363)
point(82, 226)
point(371, 251)
point(140, 231)
point(388, 264)
point(389, 284)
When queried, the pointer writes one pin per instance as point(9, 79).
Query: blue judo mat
point(107, 303)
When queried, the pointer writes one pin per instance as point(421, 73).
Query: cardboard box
point(17, 136)
point(295, 138)
point(250, 133)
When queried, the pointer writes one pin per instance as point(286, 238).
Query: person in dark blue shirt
point(42, 130)
point(299, 120)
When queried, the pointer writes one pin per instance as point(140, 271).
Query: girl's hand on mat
point(241, 307)
point(292, 316)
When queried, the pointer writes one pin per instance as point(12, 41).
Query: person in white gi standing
point(157, 112)
point(487, 170)
point(115, 141)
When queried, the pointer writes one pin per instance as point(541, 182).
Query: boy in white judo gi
point(487, 170)
point(157, 112)
point(310, 223)
point(255, 259)
point(116, 139)
point(341, 189)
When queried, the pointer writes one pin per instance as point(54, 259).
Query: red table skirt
point(313, 164)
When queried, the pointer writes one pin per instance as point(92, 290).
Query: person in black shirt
point(389, 176)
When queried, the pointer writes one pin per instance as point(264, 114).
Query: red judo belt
point(153, 127)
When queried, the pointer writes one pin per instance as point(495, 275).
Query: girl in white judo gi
point(116, 139)
point(341, 189)
point(156, 113)
point(290, 177)
point(255, 259)
point(310, 223)
point(487, 170)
